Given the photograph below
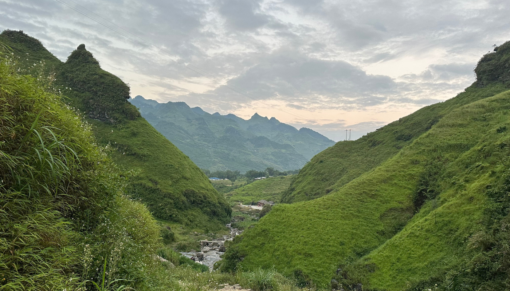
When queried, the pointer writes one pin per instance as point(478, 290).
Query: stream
point(211, 251)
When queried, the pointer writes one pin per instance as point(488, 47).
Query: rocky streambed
point(211, 250)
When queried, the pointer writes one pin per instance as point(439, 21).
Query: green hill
point(347, 160)
point(163, 177)
point(269, 189)
point(63, 210)
point(405, 203)
point(227, 142)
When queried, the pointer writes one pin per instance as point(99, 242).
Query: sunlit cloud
point(328, 65)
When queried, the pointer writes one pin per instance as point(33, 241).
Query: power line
point(142, 44)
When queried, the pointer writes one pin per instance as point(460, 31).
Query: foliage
point(97, 93)
point(162, 176)
point(168, 235)
point(488, 266)
point(347, 160)
point(270, 189)
point(493, 67)
point(428, 186)
point(244, 217)
point(60, 198)
point(260, 280)
point(368, 223)
point(265, 210)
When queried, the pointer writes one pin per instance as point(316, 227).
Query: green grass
point(65, 223)
point(402, 202)
point(317, 236)
point(166, 180)
point(63, 210)
point(160, 174)
point(270, 189)
point(244, 217)
point(347, 160)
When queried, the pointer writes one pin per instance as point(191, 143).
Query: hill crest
point(164, 178)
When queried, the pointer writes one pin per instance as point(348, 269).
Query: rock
point(200, 256)
point(358, 287)
point(206, 249)
point(222, 249)
point(338, 271)
point(334, 284)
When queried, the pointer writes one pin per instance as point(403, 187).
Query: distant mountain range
point(228, 142)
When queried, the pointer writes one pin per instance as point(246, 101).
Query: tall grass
point(62, 211)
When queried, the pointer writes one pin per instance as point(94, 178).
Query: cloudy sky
point(326, 65)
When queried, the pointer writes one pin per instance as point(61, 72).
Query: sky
point(325, 65)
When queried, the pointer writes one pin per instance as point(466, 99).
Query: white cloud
point(309, 57)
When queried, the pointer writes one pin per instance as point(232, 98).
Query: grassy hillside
point(65, 223)
point(438, 238)
point(347, 160)
point(161, 176)
point(403, 201)
point(63, 211)
point(270, 189)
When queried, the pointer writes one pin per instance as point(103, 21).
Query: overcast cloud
point(327, 65)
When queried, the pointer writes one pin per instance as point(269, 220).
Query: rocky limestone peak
point(81, 56)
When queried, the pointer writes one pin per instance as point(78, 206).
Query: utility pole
point(346, 134)
point(349, 134)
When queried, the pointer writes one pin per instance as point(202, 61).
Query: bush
point(265, 210)
point(168, 235)
point(261, 280)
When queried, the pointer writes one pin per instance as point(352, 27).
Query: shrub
point(168, 235)
point(265, 210)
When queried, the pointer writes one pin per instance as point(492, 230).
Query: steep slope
point(408, 216)
point(439, 238)
point(269, 189)
point(218, 142)
point(347, 160)
point(62, 206)
point(164, 178)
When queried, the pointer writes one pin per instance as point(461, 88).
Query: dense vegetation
point(408, 206)
point(270, 189)
point(62, 208)
point(164, 178)
point(65, 221)
point(227, 142)
point(420, 204)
